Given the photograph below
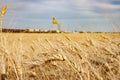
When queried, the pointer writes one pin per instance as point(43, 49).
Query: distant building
point(29, 30)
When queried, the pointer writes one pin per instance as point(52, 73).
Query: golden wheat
point(64, 56)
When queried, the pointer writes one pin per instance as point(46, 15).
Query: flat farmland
point(60, 56)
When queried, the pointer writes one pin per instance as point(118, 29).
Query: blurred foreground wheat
point(78, 56)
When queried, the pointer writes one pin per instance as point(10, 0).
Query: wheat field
point(60, 56)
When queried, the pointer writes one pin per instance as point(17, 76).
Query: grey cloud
point(77, 9)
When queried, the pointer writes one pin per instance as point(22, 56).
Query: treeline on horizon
point(5, 30)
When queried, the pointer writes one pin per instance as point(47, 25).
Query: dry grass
point(74, 56)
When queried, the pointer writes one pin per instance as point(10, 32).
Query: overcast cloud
point(87, 15)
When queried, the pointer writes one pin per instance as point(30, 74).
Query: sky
point(73, 15)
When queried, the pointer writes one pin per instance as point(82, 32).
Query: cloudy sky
point(73, 15)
